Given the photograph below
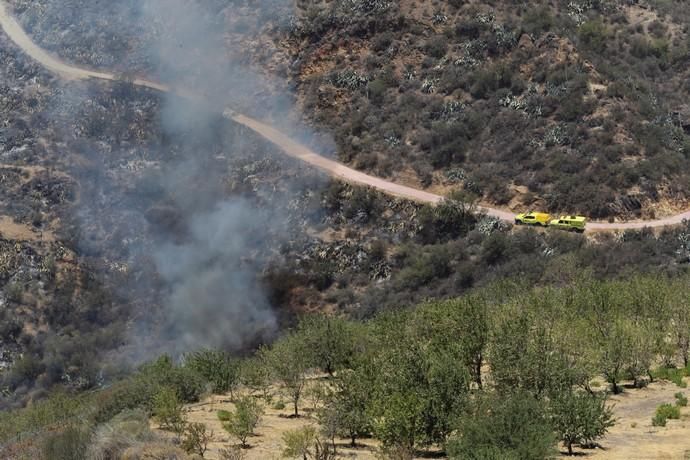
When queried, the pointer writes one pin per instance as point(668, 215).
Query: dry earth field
point(632, 438)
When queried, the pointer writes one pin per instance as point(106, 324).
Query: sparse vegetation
point(244, 420)
point(665, 412)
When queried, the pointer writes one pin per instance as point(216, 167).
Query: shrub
point(594, 35)
point(68, 444)
point(437, 46)
point(658, 420)
point(231, 453)
point(671, 374)
point(298, 443)
point(507, 426)
point(223, 415)
point(168, 410)
point(196, 439)
point(376, 90)
point(668, 411)
point(681, 399)
point(125, 430)
point(244, 419)
point(537, 21)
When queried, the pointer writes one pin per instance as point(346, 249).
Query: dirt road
point(291, 147)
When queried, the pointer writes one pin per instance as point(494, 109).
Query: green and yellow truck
point(572, 223)
point(533, 218)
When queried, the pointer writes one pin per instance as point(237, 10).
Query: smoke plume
point(208, 249)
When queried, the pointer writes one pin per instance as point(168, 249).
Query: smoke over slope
point(213, 297)
point(208, 248)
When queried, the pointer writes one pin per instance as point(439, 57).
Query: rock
point(546, 40)
point(526, 42)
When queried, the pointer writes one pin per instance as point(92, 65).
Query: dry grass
point(267, 443)
point(633, 436)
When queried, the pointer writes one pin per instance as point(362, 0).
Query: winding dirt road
point(291, 147)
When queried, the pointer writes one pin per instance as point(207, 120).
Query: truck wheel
point(517, 222)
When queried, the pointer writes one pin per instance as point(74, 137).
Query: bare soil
point(634, 438)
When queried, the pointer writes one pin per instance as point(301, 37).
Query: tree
point(504, 426)
point(328, 341)
point(600, 304)
point(217, 367)
point(168, 410)
point(418, 389)
point(196, 439)
point(346, 408)
point(305, 443)
point(644, 348)
point(524, 355)
point(289, 360)
point(255, 373)
point(580, 417)
point(298, 443)
point(244, 419)
point(464, 323)
point(187, 384)
point(679, 312)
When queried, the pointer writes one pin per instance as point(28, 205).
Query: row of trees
point(507, 368)
point(503, 373)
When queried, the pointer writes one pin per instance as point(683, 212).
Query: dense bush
point(509, 426)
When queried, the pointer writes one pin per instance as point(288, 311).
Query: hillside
point(567, 106)
point(175, 258)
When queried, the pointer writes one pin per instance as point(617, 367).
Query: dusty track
point(291, 147)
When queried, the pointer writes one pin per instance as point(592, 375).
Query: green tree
point(328, 340)
point(244, 419)
point(461, 327)
point(168, 410)
point(188, 385)
point(580, 417)
point(346, 407)
point(306, 443)
point(217, 367)
point(255, 373)
point(299, 443)
point(504, 427)
point(418, 389)
point(600, 305)
point(679, 318)
point(526, 355)
point(289, 361)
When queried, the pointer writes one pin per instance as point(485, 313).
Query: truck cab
point(572, 223)
point(532, 218)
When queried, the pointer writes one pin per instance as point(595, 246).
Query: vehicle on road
point(533, 218)
point(572, 223)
